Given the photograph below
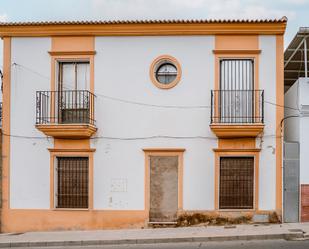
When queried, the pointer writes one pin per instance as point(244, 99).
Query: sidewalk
point(159, 235)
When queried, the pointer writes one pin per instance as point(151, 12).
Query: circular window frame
point(156, 64)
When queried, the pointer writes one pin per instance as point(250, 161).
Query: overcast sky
point(297, 11)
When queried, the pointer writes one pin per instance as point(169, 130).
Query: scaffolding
point(296, 58)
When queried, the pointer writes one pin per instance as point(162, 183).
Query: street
point(264, 244)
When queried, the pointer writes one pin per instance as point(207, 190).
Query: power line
point(152, 105)
point(31, 70)
point(283, 106)
point(134, 138)
point(123, 100)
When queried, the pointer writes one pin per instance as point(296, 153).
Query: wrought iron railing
point(65, 107)
point(237, 106)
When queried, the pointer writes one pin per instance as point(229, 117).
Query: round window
point(165, 72)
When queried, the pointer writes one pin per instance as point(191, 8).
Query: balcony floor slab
point(67, 130)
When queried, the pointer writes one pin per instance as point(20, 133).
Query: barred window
point(236, 183)
point(72, 182)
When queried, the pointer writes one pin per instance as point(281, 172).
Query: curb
point(286, 236)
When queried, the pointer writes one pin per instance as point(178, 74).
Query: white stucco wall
point(292, 125)
point(297, 128)
point(29, 159)
point(267, 165)
point(304, 131)
point(122, 71)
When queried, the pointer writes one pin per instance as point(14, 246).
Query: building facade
point(296, 123)
point(117, 124)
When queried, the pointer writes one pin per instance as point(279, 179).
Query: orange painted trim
point(71, 150)
point(163, 152)
point(67, 130)
point(236, 51)
point(71, 144)
point(61, 46)
point(254, 57)
point(236, 150)
point(27, 220)
point(279, 117)
point(237, 42)
point(72, 43)
point(231, 153)
point(71, 53)
point(73, 58)
point(72, 153)
point(153, 67)
point(230, 130)
point(145, 29)
point(6, 126)
point(245, 47)
point(71, 49)
point(240, 43)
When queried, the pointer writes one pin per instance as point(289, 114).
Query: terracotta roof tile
point(193, 21)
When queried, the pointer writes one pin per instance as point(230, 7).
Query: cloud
point(186, 9)
point(235, 9)
point(3, 17)
point(298, 2)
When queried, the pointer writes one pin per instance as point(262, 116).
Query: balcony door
point(236, 96)
point(73, 92)
point(74, 75)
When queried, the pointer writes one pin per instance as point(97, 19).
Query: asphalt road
point(266, 244)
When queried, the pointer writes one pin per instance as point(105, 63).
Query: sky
point(297, 11)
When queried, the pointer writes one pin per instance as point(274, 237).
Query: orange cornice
point(143, 28)
point(72, 150)
point(57, 53)
point(236, 150)
point(236, 51)
point(164, 150)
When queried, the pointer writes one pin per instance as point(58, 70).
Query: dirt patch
point(274, 218)
point(195, 219)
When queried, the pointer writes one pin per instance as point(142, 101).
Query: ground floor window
point(72, 181)
point(236, 183)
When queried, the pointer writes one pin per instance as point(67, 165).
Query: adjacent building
point(125, 123)
point(296, 123)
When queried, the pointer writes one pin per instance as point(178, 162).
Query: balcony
point(237, 113)
point(65, 114)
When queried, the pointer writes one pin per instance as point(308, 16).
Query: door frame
point(163, 152)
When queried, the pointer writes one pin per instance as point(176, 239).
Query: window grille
point(72, 182)
point(236, 183)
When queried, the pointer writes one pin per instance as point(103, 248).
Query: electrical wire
point(147, 104)
point(283, 106)
point(124, 100)
point(152, 105)
point(133, 138)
